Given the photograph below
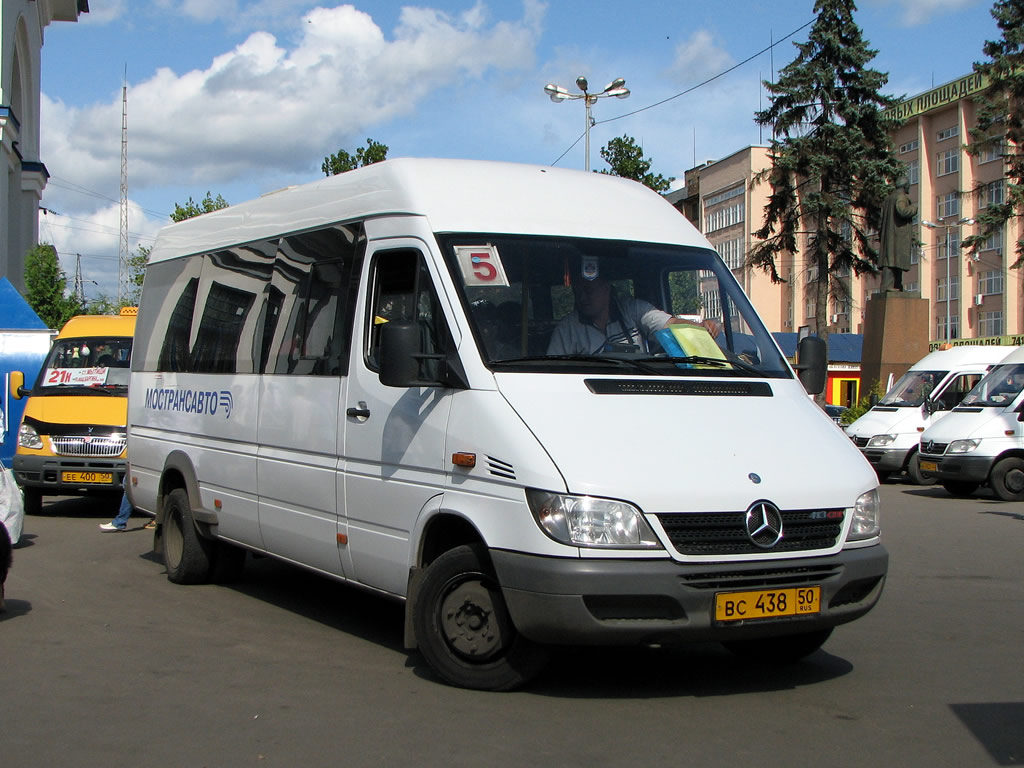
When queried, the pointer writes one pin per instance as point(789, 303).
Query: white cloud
point(269, 108)
point(698, 58)
point(916, 12)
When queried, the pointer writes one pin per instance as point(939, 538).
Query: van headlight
point(29, 438)
point(879, 441)
point(866, 517)
point(586, 521)
point(962, 446)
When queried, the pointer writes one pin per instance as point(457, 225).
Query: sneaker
point(151, 524)
point(108, 527)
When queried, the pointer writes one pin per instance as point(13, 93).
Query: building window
point(914, 172)
point(993, 193)
point(954, 327)
point(915, 253)
point(954, 288)
point(910, 146)
point(993, 242)
point(721, 197)
point(990, 282)
point(724, 217)
point(947, 205)
point(948, 133)
point(912, 287)
point(990, 323)
point(731, 252)
point(947, 162)
point(991, 151)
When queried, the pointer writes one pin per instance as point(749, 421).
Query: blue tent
point(24, 343)
point(842, 347)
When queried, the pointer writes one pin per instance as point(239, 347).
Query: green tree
point(832, 159)
point(626, 159)
point(342, 161)
point(192, 208)
point(106, 305)
point(1000, 125)
point(46, 287)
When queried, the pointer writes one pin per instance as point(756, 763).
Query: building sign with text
point(939, 97)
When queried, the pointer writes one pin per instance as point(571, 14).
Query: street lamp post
point(616, 88)
point(949, 256)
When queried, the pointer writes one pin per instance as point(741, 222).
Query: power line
point(692, 88)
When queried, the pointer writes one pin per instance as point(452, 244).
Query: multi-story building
point(21, 38)
point(969, 298)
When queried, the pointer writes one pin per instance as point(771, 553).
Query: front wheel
point(1008, 479)
point(959, 488)
point(914, 471)
point(187, 555)
point(787, 648)
point(464, 629)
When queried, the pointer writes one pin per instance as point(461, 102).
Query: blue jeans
point(124, 512)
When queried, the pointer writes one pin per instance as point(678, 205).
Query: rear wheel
point(464, 629)
point(959, 488)
point(187, 555)
point(914, 471)
point(787, 648)
point(1008, 479)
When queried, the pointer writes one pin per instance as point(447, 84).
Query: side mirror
point(401, 356)
point(812, 361)
point(17, 385)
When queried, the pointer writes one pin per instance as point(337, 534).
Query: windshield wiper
point(630, 362)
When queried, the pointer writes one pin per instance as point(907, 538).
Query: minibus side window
point(403, 292)
point(232, 280)
point(310, 304)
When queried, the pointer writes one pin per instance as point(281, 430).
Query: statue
point(896, 237)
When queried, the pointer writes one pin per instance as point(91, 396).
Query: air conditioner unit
point(978, 299)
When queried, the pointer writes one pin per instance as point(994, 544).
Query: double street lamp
point(949, 257)
point(616, 88)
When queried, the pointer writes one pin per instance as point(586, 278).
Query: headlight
point(28, 437)
point(881, 440)
point(586, 521)
point(866, 524)
point(962, 446)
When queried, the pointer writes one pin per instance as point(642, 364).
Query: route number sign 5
point(481, 265)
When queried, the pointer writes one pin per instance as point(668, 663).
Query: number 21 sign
point(480, 265)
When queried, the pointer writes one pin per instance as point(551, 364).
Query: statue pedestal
point(895, 336)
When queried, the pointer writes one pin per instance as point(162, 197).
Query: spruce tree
point(1000, 125)
point(832, 158)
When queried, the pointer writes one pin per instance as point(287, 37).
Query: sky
point(242, 97)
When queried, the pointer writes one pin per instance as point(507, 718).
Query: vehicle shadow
point(700, 669)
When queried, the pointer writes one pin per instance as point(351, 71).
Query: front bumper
point(627, 602)
point(46, 474)
point(964, 468)
point(886, 459)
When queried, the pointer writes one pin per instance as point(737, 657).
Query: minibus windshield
point(86, 365)
point(562, 304)
point(999, 387)
point(912, 389)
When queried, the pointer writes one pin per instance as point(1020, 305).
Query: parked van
point(982, 440)
point(889, 433)
point(72, 435)
point(381, 377)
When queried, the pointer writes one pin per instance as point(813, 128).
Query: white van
point(982, 440)
point(381, 377)
point(889, 433)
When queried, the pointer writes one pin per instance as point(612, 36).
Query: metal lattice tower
point(123, 288)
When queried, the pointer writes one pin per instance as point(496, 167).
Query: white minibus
point(889, 433)
point(532, 403)
point(982, 440)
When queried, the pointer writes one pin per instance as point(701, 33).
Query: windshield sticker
point(481, 265)
point(75, 377)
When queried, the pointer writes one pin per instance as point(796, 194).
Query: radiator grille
point(725, 533)
point(89, 445)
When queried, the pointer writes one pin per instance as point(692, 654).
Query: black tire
point(882, 475)
point(959, 488)
point(187, 555)
point(1008, 479)
point(464, 629)
point(228, 563)
point(914, 471)
point(785, 648)
point(33, 501)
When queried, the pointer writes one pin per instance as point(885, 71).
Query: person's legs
point(120, 522)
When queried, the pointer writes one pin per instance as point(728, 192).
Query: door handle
point(358, 413)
